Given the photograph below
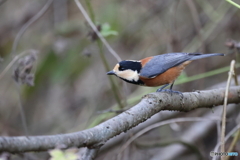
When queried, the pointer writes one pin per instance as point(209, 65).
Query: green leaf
point(106, 30)
point(106, 27)
point(109, 33)
point(58, 154)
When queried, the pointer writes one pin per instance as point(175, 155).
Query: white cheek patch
point(129, 75)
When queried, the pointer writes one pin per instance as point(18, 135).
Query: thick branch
point(98, 135)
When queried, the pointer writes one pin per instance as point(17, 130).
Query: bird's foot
point(170, 91)
point(159, 90)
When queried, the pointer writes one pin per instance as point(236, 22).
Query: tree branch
point(29, 23)
point(89, 154)
point(97, 136)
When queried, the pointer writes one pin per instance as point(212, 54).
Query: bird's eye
point(121, 68)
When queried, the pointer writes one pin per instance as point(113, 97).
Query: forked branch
point(149, 105)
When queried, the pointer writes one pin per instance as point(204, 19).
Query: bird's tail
point(200, 56)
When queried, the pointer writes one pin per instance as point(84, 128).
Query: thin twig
point(208, 29)
point(235, 76)
point(218, 125)
point(175, 120)
point(96, 30)
point(191, 147)
point(195, 132)
point(26, 25)
point(21, 110)
point(114, 87)
point(236, 137)
point(230, 75)
point(226, 138)
point(234, 141)
point(233, 3)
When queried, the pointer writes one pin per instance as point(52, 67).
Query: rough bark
point(94, 137)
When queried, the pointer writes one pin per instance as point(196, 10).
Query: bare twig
point(235, 76)
point(96, 31)
point(208, 29)
point(226, 138)
point(234, 3)
point(236, 137)
point(234, 141)
point(230, 75)
point(98, 135)
point(31, 21)
point(114, 87)
point(175, 120)
point(194, 133)
point(218, 125)
point(164, 115)
point(191, 147)
point(18, 80)
point(21, 110)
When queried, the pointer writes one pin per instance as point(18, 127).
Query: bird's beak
point(111, 73)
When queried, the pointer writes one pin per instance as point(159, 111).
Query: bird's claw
point(159, 90)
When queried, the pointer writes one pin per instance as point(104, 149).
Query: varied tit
point(156, 70)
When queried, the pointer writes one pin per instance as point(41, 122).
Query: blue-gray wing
point(161, 63)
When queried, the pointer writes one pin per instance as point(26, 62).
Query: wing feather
point(161, 63)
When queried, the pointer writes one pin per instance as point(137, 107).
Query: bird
point(160, 70)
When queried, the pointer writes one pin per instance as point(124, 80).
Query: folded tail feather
point(200, 56)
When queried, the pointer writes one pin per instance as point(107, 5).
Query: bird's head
point(127, 70)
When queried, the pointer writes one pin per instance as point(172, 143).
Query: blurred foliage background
point(71, 88)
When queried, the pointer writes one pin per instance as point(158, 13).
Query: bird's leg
point(161, 89)
point(169, 90)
